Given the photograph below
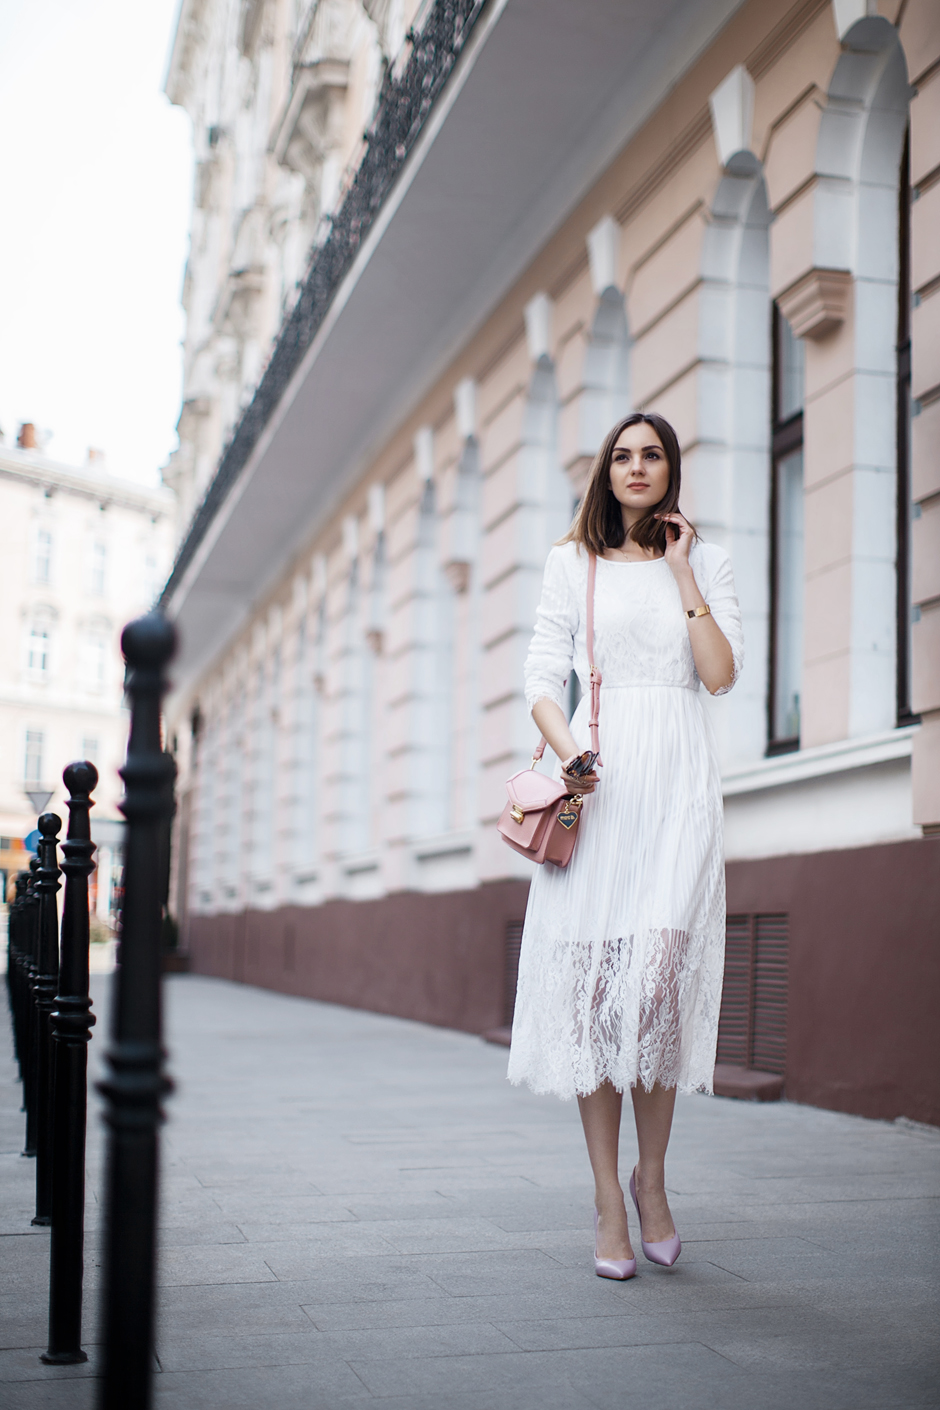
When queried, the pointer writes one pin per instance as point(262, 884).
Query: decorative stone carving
point(309, 129)
point(458, 574)
point(817, 302)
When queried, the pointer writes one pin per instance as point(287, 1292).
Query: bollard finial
point(80, 778)
point(148, 642)
point(49, 825)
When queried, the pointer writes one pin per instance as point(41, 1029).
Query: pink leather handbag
point(540, 818)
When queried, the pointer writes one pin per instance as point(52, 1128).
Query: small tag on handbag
point(568, 818)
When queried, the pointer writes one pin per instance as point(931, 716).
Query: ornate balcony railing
point(406, 98)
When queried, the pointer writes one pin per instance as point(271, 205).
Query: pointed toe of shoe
point(664, 1253)
point(620, 1269)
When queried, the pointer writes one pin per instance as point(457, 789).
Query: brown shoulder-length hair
point(598, 523)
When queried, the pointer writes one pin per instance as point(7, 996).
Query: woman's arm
point(711, 649)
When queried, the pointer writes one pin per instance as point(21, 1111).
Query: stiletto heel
point(618, 1268)
point(664, 1251)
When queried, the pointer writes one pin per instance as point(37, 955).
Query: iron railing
point(405, 100)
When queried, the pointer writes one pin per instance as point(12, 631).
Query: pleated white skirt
point(623, 951)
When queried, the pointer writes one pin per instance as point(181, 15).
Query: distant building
point(723, 212)
point(278, 94)
point(81, 553)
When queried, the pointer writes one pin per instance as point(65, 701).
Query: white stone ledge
point(822, 759)
point(451, 844)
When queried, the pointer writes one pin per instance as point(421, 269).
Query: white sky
point(95, 186)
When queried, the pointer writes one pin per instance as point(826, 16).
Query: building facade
point(719, 211)
point(83, 553)
point(278, 94)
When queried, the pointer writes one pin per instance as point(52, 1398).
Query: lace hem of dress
point(635, 1010)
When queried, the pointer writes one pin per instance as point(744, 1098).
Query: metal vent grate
point(752, 1030)
point(513, 948)
point(769, 1040)
point(734, 1027)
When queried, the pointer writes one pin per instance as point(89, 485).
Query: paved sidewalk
point(361, 1212)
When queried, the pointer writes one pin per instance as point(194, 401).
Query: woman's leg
point(653, 1113)
point(600, 1117)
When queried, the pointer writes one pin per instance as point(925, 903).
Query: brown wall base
point(863, 1030)
point(435, 958)
point(863, 1033)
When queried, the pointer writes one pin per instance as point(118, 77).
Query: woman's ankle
point(609, 1201)
point(650, 1178)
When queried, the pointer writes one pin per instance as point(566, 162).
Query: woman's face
point(639, 470)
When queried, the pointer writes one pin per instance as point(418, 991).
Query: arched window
point(38, 650)
point(97, 568)
point(856, 279)
point(726, 479)
point(33, 756)
point(96, 661)
point(42, 559)
point(786, 541)
point(905, 714)
point(306, 825)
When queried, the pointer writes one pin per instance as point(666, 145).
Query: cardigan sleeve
point(723, 601)
point(551, 651)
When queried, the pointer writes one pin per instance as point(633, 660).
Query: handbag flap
point(529, 790)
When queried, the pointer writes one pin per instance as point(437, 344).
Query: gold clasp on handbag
point(516, 813)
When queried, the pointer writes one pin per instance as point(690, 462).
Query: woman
point(623, 951)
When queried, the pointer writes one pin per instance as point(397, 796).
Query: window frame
point(905, 714)
point(98, 565)
point(39, 631)
point(786, 439)
point(31, 736)
point(42, 562)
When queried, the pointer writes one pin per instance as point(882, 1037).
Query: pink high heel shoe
point(664, 1251)
point(618, 1268)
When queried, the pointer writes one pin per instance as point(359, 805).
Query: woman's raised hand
point(680, 537)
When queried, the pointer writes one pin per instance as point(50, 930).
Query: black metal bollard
point(136, 1084)
point(30, 942)
point(72, 1022)
point(18, 976)
point(44, 990)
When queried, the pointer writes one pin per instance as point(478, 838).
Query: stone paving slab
point(360, 1212)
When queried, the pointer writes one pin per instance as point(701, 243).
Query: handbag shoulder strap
point(596, 679)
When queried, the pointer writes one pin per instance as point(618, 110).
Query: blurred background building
point(83, 551)
point(404, 348)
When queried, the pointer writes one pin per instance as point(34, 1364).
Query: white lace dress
point(623, 951)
